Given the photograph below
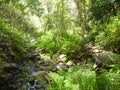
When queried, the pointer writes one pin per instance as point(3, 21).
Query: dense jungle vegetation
point(59, 44)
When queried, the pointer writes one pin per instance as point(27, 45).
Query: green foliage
point(109, 36)
point(109, 81)
point(13, 39)
point(69, 40)
point(12, 13)
point(67, 26)
point(102, 10)
point(65, 42)
point(46, 42)
point(1, 63)
point(75, 79)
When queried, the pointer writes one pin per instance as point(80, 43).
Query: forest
point(59, 44)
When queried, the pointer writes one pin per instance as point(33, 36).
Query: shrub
point(109, 37)
point(14, 40)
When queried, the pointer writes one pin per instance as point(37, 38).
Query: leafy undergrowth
point(71, 44)
point(109, 81)
point(77, 78)
point(109, 36)
point(13, 43)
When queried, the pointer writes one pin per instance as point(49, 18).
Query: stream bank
point(32, 71)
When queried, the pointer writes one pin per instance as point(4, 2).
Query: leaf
point(1, 49)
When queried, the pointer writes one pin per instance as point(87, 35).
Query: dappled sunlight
point(36, 22)
point(59, 45)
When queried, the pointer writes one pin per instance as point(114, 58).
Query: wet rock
point(10, 67)
point(103, 59)
point(32, 54)
point(62, 57)
point(37, 74)
point(9, 76)
point(59, 67)
point(38, 87)
point(6, 76)
point(41, 62)
point(98, 63)
point(69, 63)
point(44, 68)
point(34, 86)
point(8, 81)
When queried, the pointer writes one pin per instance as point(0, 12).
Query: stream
point(19, 79)
point(29, 69)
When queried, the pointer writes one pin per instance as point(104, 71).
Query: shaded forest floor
point(35, 65)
